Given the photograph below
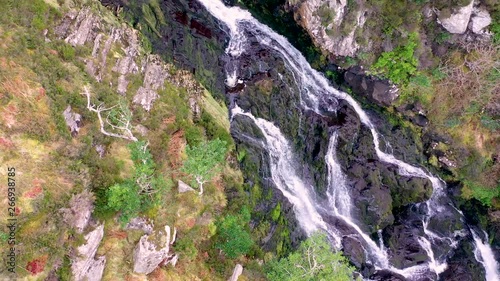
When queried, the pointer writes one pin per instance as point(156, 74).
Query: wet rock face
point(376, 90)
point(462, 266)
point(355, 251)
point(402, 238)
point(376, 187)
point(256, 169)
point(191, 37)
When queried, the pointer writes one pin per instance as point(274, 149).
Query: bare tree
point(118, 121)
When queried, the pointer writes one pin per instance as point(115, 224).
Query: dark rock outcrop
point(377, 90)
point(355, 251)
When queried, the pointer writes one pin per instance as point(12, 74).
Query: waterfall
point(286, 179)
point(485, 256)
point(339, 200)
point(313, 86)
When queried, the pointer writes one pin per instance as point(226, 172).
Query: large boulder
point(404, 247)
point(456, 22)
point(480, 20)
point(153, 250)
point(331, 24)
point(354, 250)
point(84, 265)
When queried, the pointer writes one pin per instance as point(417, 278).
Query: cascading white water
point(313, 86)
point(338, 192)
point(485, 256)
point(340, 203)
point(285, 178)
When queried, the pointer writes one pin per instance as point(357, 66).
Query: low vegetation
point(400, 64)
point(312, 261)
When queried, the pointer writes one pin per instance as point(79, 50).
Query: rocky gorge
point(386, 201)
point(312, 144)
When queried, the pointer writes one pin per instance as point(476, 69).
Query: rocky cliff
point(353, 27)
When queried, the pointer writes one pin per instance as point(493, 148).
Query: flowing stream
point(313, 88)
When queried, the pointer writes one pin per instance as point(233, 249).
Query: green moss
point(433, 161)
point(276, 212)
point(483, 194)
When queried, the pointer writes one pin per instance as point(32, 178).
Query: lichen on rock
point(85, 266)
point(153, 250)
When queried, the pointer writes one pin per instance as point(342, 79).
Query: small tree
point(233, 239)
point(313, 260)
point(117, 122)
point(140, 191)
point(124, 197)
point(203, 161)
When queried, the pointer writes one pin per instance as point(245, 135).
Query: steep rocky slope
point(79, 89)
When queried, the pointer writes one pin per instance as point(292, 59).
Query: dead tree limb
point(122, 120)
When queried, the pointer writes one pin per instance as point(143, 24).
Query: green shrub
point(232, 237)
point(194, 135)
point(214, 130)
point(276, 212)
point(421, 80)
point(140, 192)
point(327, 265)
point(124, 198)
point(442, 37)
point(185, 246)
point(67, 52)
point(398, 65)
point(203, 161)
point(490, 123)
point(483, 194)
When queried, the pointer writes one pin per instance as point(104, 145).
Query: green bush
point(489, 123)
point(483, 194)
point(67, 52)
point(185, 246)
point(232, 237)
point(276, 212)
point(194, 135)
point(124, 198)
point(400, 64)
point(141, 191)
point(203, 161)
point(214, 130)
point(327, 265)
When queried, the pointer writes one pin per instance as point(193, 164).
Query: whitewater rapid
point(313, 85)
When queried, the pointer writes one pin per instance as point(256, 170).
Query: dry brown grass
point(467, 75)
point(176, 148)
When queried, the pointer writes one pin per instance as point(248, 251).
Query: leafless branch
point(123, 120)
